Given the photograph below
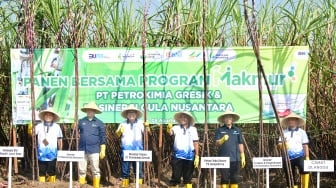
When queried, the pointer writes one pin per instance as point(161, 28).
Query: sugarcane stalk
point(143, 45)
point(205, 137)
point(29, 31)
point(253, 32)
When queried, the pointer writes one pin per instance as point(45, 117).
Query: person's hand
point(223, 139)
point(146, 124)
point(120, 131)
point(102, 151)
point(196, 161)
point(281, 145)
point(242, 160)
point(169, 128)
point(306, 158)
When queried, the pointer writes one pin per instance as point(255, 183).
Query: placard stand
point(318, 166)
point(11, 152)
point(267, 163)
point(70, 156)
point(137, 156)
point(215, 162)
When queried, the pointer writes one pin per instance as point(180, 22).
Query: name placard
point(267, 162)
point(319, 165)
point(215, 162)
point(11, 151)
point(63, 155)
point(139, 155)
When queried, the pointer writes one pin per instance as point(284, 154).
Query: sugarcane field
point(167, 94)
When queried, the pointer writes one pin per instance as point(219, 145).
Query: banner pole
point(318, 180)
point(267, 177)
point(137, 175)
point(10, 173)
point(214, 178)
point(70, 182)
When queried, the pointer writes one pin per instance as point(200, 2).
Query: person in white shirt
point(296, 143)
point(131, 132)
point(49, 140)
point(186, 151)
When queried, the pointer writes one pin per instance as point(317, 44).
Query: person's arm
point(305, 142)
point(306, 151)
point(196, 148)
point(60, 143)
point(241, 148)
point(102, 141)
point(102, 134)
point(59, 139)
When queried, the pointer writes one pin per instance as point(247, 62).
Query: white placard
point(11, 151)
point(319, 165)
point(63, 155)
point(267, 162)
point(215, 162)
point(137, 155)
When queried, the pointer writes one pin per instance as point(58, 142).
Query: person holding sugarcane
point(131, 132)
point(296, 143)
point(186, 151)
point(229, 140)
point(92, 142)
point(49, 140)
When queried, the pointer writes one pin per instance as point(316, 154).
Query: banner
point(174, 81)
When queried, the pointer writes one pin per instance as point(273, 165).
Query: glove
point(169, 128)
point(102, 151)
point(242, 160)
point(146, 124)
point(281, 145)
point(307, 158)
point(196, 161)
point(223, 139)
point(30, 129)
point(120, 131)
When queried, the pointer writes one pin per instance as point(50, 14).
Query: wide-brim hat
point(178, 115)
point(49, 110)
point(91, 106)
point(131, 108)
point(292, 115)
point(235, 116)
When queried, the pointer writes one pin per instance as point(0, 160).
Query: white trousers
point(93, 160)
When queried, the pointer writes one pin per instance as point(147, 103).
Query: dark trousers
point(297, 162)
point(230, 175)
point(47, 168)
point(181, 168)
point(125, 169)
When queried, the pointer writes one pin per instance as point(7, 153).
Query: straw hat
point(91, 106)
point(235, 116)
point(49, 110)
point(131, 108)
point(292, 115)
point(178, 116)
